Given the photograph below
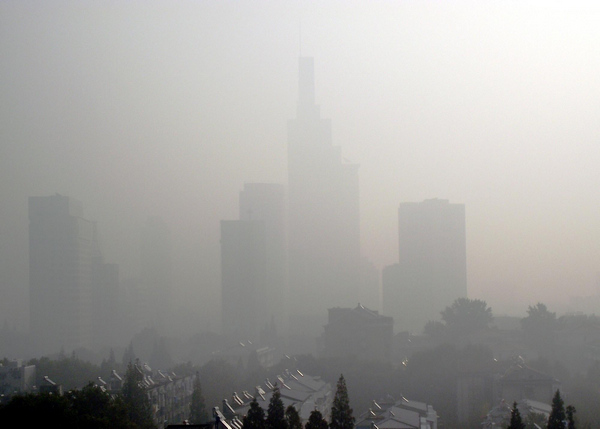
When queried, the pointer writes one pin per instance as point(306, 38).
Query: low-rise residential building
point(522, 382)
point(16, 378)
point(305, 392)
point(398, 414)
point(531, 411)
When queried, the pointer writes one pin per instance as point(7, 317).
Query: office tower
point(62, 250)
point(324, 235)
point(432, 268)
point(107, 323)
point(266, 202)
point(156, 271)
point(243, 278)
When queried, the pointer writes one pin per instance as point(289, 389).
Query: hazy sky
point(142, 108)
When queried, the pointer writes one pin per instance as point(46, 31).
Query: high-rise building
point(243, 278)
point(266, 202)
point(63, 248)
point(432, 268)
point(324, 231)
point(156, 271)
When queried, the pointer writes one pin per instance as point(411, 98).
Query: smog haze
point(141, 109)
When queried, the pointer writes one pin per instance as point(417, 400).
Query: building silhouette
point(156, 272)
point(323, 215)
point(357, 332)
point(63, 249)
point(432, 268)
point(265, 202)
point(243, 278)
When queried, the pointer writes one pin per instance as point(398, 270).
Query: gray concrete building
point(432, 268)
point(324, 230)
point(62, 249)
point(243, 278)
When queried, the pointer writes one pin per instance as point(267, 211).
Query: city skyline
point(168, 109)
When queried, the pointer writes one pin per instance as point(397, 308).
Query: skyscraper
point(266, 202)
point(156, 271)
point(324, 231)
point(243, 278)
point(432, 268)
point(63, 248)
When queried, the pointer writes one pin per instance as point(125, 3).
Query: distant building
point(156, 271)
point(358, 332)
point(302, 391)
point(243, 278)
point(522, 382)
point(170, 395)
point(63, 248)
point(49, 386)
point(266, 202)
point(401, 414)
point(499, 416)
point(247, 356)
point(432, 268)
point(16, 378)
point(324, 223)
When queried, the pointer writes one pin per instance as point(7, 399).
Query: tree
point(276, 412)
point(434, 329)
point(90, 407)
point(95, 408)
point(516, 422)
point(466, 315)
point(255, 418)
point(570, 417)
point(341, 413)
point(535, 420)
point(539, 327)
point(293, 418)
point(316, 421)
point(135, 397)
point(556, 420)
point(128, 355)
point(198, 413)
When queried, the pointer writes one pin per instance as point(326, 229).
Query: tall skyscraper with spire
point(323, 215)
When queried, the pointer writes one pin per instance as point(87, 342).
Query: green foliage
point(466, 316)
point(276, 412)
point(198, 413)
point(516, 422)
point(341, 413)
point(434, 329)
point(535, 420)
point(128, 355)
point(71, 372)
point(255, 418)
point(219, 379)
point(89, 407)
point(539, 327)
point(316, 421)
point(557, 415)
point(135, 397)
point(570, 417)
point(293, 418)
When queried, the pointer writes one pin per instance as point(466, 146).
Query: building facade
point(243, 278)
point(63, 248)
point(324, 230)
point(359, 332)
point(265, 202)
point(432, 269)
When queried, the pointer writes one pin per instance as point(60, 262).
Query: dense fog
point(165, 110)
